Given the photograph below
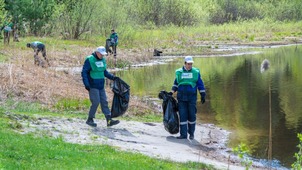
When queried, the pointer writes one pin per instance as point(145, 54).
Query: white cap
point(101, 50)
point(189, 59)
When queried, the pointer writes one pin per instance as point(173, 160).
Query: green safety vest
point(35, 44)
point(97, 67)
point(8, 26)
point(184, 77)
point(112, 37)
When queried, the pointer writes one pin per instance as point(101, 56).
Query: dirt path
point(209, 145)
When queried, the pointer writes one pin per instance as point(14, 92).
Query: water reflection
point(238, 97)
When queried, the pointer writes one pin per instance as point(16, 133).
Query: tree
point(34, 14)
point(76, 17)
point(2, 12)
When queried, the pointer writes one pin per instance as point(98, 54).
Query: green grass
point(28, 151)
point(3, 58)
point(243, 31)
point(73, 108)
point(72, 104)
point(59, 43)
point(64, 108)
point(147, 117)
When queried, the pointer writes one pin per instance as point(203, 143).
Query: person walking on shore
point(187, 81)
point(93, 75)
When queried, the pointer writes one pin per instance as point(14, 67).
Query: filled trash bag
point(107, 46)
point(170, 112)
point(121, 97)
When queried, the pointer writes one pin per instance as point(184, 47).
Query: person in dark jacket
point(93, 75)
point(38, 46)
point(7, 29)
point(112, 42)
point(186, 83)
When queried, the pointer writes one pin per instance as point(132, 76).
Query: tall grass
point(241, 31)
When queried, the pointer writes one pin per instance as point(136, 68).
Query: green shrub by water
point(297, 165)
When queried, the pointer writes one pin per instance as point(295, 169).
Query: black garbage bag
point(121, 97)
point(107, 46)
point(170, 112)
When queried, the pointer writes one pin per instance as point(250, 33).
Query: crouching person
point(38, 46)
point(93, 76)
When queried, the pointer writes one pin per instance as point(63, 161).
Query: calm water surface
point(238, 97)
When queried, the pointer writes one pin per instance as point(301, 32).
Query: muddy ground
point(22, 80)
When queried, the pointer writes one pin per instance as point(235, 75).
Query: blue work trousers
point(98, 97)
point(187, 113)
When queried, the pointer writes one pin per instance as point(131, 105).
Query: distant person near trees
point(38, 46)
point(7, 29)
point(93, 74)
point(112, 42)
point(187, 81)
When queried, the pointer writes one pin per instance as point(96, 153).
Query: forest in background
point(82, 19)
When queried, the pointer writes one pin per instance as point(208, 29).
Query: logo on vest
point(99, 64)
point(187, 75)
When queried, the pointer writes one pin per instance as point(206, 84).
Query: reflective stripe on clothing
point(191, 123)
point(183, 123)
point(187, 113)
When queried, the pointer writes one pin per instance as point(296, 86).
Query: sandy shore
point(209, 145)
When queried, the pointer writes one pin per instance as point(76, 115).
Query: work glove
point(115, 77)
point(87, 88)
point(170, 93)
point(203, 97)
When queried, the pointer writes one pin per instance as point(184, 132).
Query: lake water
point(240, 98)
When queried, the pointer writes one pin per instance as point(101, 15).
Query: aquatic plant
point(243, 152)
point(297, 165)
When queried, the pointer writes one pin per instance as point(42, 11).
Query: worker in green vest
point(7, 29)
point(93, 74)
point(112, 42)
point(38, 46)
point(187, 82)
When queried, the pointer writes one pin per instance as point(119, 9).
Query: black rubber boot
point(181, 137)
point(90, 122)
point(111, 122)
